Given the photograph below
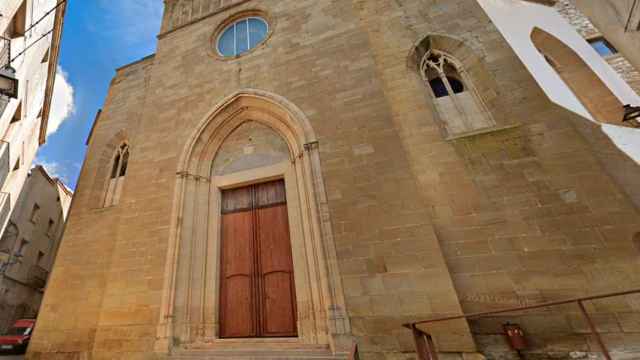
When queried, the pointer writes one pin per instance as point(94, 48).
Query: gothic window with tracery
point(117, 176)
point(460, 107)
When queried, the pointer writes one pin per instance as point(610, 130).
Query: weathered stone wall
point(626, 70)
point(518, 220)
point(576, 18)
point(18, 301)
point(21, 286)
point(179, 13)
point(423, 227)
point(373, 194)
point(72, 309)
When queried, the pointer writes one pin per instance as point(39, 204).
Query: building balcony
point(5, 167)
point(37, 276)
point(5, 52)
point(5, 210)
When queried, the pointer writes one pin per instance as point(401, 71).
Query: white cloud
point(62, 103)
point(54, 169)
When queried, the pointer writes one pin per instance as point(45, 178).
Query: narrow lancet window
point(118, 173)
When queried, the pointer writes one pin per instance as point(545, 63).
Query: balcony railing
point(5, 210)
point(631, 115)
point(427, 351)
point(5, 52)
point(5, 167)
point(37, 276)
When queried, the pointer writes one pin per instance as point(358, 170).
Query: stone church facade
point(360, 165)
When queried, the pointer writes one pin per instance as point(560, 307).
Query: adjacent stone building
point(601, 43)
point(30, 34)
point(29, 245)
point(284, 179)
point(619, 20)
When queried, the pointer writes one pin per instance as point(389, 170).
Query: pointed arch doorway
point(251, 261)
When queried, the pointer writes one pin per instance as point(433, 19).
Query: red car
point(17, 338)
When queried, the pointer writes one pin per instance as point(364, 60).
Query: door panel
point(257, 292)
point(276, 272)
point(271, 193)
point(237, 304)
point(235, 200)
point(278, 304)
point(238, 321)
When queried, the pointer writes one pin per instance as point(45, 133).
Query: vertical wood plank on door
point(237, 297)
point(278, 301)
point(257, 295)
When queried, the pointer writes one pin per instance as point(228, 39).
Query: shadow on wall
point(592, 92)
point(619, 165)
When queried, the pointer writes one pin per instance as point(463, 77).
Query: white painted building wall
point(516, 19)
point(23, 136)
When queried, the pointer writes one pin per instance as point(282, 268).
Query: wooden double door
point(257, 292)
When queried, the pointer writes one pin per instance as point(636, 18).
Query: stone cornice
point(54, 55)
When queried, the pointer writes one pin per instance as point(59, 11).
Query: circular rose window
point(242, 36)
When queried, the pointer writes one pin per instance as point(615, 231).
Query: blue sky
point(99, 36)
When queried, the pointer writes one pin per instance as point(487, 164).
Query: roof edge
point(53, 181)
point(52, 71)
point(148, 57)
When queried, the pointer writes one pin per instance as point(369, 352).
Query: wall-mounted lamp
point(631, 113)
point(8, 82)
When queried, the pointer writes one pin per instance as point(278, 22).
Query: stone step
point(258, 354)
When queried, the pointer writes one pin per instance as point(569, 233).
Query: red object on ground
point(17, 338)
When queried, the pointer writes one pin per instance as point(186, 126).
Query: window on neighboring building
point(40, 258)
point(22, 248)
point(117, 175)
point(602, 46)
point(9, 238)
point(51, 227)
point(17, 27)
point(17, 116)
point(242, 36)
point(45, 57)
point(35, 213)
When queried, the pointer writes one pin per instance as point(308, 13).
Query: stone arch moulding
point(469, 59)
point(586, 85)
point(478, 80)
point(101, 181)
point(189, 313)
